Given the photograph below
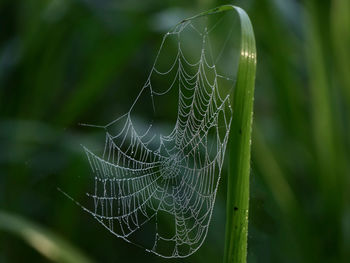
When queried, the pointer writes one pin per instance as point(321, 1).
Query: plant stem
point(240, 140)
point(239, 147)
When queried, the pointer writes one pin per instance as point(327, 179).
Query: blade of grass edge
point(44, 241)
point(340, 29)
point(239, 147)
point(240, 141)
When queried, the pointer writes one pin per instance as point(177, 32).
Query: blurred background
point(65, 62)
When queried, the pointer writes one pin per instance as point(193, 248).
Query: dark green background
point(65, 62)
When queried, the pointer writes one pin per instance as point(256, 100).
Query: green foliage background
point(63, 62)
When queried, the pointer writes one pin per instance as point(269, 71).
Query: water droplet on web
point(185, 167)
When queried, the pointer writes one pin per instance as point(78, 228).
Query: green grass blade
point(340, 29)
point(240, 141)
point(239, 147)
point(44, 241)
point(325, 126)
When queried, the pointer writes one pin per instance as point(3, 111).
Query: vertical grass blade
point(325, 126)
point(239, 147)
point(340, 29)
point(240, 141)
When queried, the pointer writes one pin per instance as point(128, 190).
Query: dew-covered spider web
point(157, 188)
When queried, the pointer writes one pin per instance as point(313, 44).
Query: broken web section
point(155, 186)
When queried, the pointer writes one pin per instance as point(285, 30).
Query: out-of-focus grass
point(44, 241)
point(65, 62)
point(303, 138)
point(340, 34)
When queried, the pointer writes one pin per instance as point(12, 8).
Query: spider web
point(157, 190)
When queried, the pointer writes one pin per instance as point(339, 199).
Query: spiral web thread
point(167, 192)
